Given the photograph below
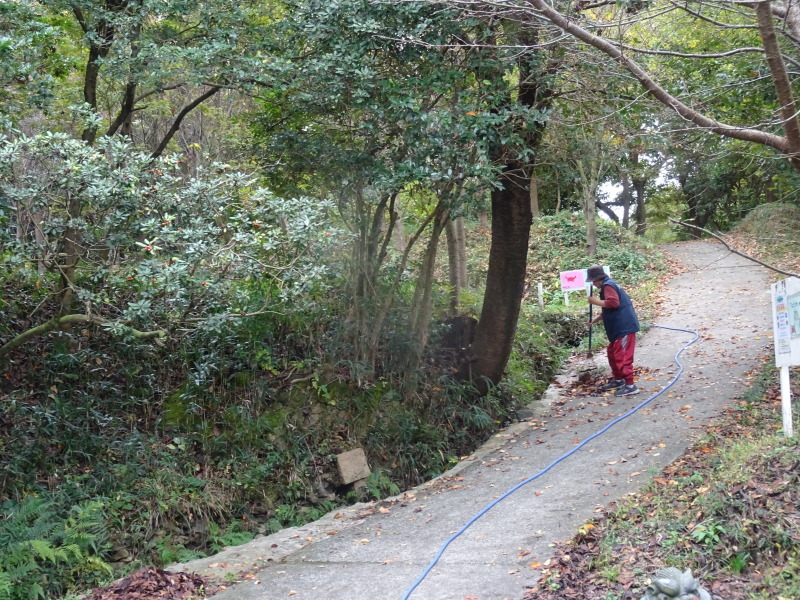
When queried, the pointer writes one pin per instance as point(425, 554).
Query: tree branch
point(176, 125)
point(742, 254)
point(659, 93)
point(125, 111)
point(159, 90)
point(608, 210)
point(685, 8)
point(79, 16)
point(57, 322)
point(689, 55)
point(783, 87)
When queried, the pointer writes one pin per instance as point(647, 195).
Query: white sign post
point(786, 325)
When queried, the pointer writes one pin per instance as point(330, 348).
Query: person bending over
point(621, 324)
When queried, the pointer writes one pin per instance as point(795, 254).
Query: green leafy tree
point(135, 57)
point(32, 61)
point(775, 25)
point(155, 254)
point(362, 117)
point(385, 108)
point(724, 68)
point(721, 180)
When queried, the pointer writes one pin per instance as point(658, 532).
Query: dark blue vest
point(622, 320)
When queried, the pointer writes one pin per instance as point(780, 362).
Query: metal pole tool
point(591, 306)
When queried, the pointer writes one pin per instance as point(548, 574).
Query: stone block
point(352, 465)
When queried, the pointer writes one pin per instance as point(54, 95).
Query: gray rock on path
point(377, 551)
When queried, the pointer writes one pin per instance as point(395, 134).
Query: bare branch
point(685, 8)
point(176, 125)
point(159, 90)
point(689, 55)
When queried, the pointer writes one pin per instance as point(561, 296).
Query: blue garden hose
point(499, 499)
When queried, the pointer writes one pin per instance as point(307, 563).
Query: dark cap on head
point(595, 272)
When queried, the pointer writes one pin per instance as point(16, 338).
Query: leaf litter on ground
point(153, 583)
point(664, 525)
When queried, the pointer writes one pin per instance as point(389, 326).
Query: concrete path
point(377, 551)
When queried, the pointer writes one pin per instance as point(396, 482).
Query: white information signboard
point(786, 326)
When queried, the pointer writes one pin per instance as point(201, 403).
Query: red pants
point(620, 357)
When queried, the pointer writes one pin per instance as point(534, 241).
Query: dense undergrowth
point(118, 453)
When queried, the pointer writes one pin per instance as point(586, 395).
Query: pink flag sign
point(573, 280)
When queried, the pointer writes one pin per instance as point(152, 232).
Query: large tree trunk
point(505, 281)
point(780, 78)
point(511, 227)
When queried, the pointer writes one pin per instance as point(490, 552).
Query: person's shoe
point(627, 390)
point(612, 385)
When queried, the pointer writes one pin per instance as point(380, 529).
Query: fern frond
point(6, 586)
point(85, 525)
point(36, 591)
point(44, 550)
point(31, 519)
point(67, 549)
point(45, 553)
point(93, 564)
